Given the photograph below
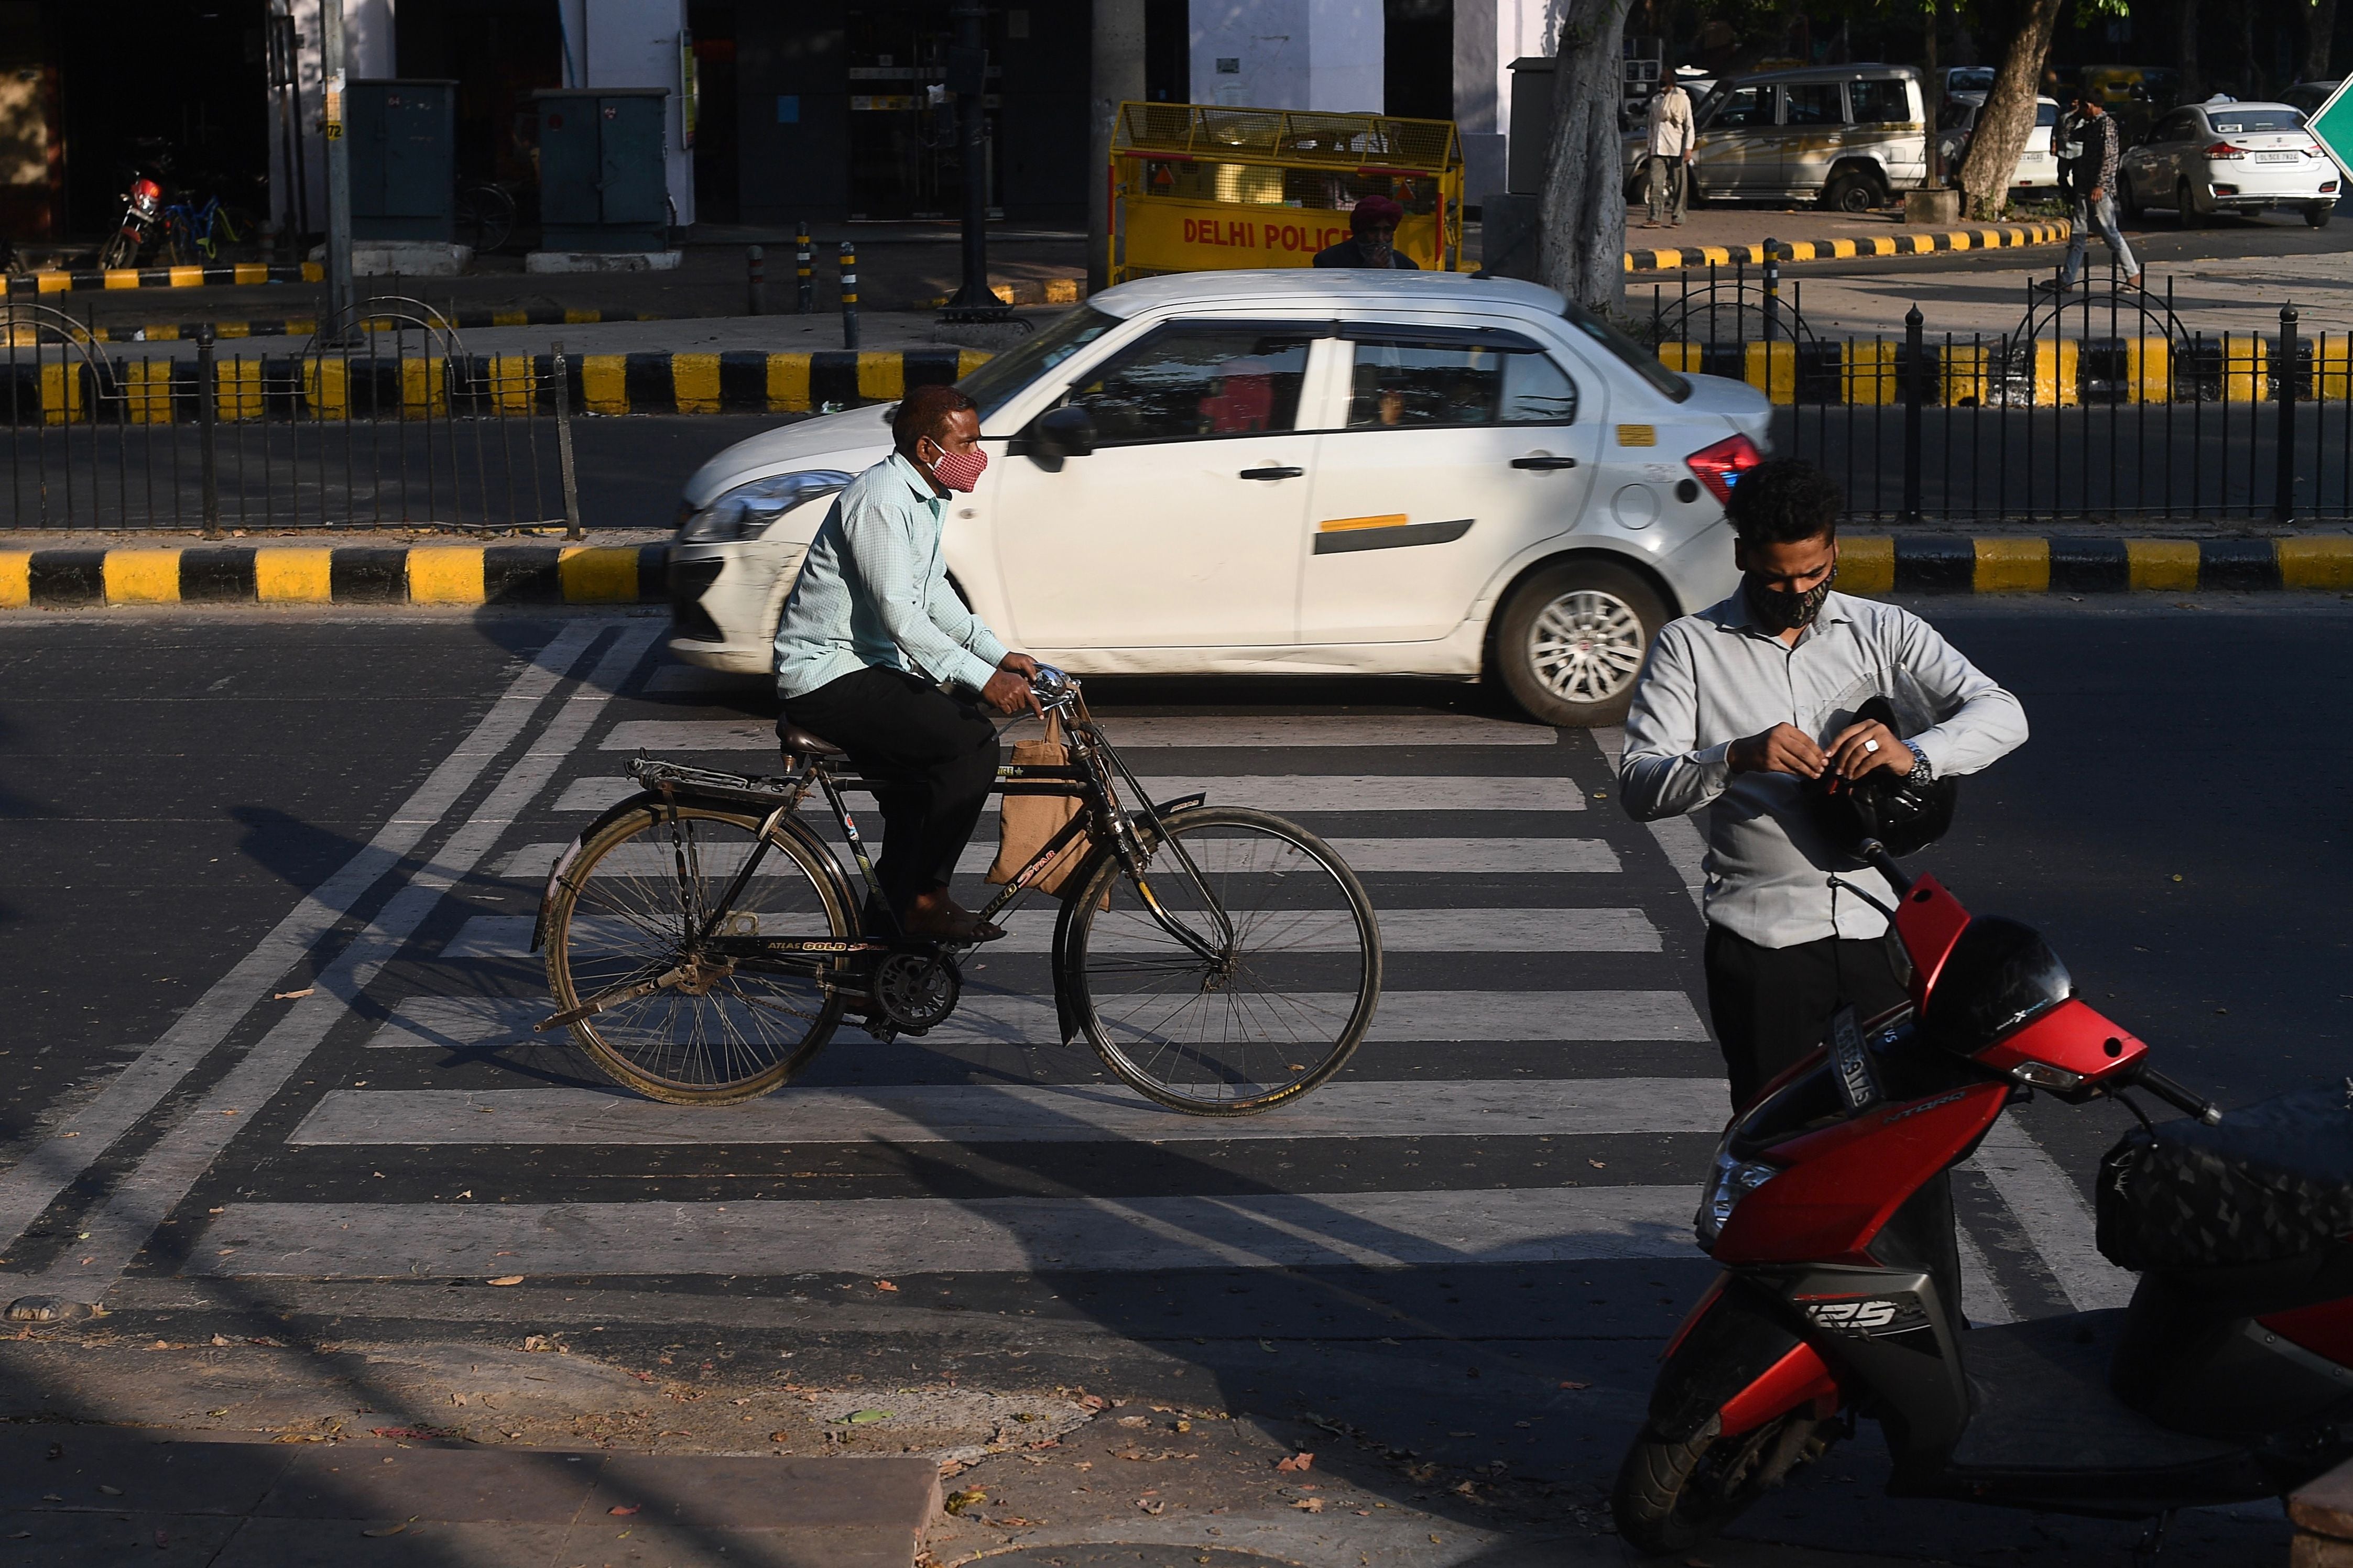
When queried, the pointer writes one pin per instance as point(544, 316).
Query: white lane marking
point(163, 1178)
point(1016, 1113)
point(2052, 1211)
point(48, 1167)
point(996, 1018)
point(1483, 856)
point(1219, 732)
point(1031, 929)
point(1269, 792)
point(1679, 837)
point(1983, 1301)
point(895, 1236)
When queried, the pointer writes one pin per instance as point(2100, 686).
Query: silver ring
point(1871, 745)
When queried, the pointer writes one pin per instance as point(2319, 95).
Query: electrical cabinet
point(602, 180)
point(404, 159)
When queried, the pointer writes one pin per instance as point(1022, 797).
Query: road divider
point(438, 573)
point(1998, 236)
point(226, 275)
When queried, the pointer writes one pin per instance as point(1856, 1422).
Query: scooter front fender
point(1737, 1361)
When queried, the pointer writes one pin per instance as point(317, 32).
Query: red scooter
point(2229, 1378)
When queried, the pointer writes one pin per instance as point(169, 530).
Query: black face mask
point(1778, 610)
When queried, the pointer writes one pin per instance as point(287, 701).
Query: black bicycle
point(703, 941)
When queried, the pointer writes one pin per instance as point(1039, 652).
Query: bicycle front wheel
point(1278, 1002)
point(627, 911)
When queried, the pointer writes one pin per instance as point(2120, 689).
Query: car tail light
point(2326, 187)
point(1719, 466)
point(2222, 152)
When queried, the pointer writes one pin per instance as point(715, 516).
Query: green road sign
point(2332, 126)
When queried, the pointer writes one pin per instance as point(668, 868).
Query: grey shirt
point(1716, 677)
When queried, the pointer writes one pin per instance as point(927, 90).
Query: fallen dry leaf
point(884, 1285)
point(780, 1436)
point(960, 1501)
point(1566, 1383)
point(1310, 1505)
point(381, 1531)
point(1152, 1505)
point(1135, 1421)
point(508, 1279)
point(297, 996)
point(623, 1511)
point(1092, 1401)
point(1297, 1462)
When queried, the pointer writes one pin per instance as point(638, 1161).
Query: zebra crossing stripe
point(1016, 1113)
point(1270, 791)
point(932, 1236)
point(1465, 857)
point(1284, 732)
point(1031, 929)
point(999, 1018)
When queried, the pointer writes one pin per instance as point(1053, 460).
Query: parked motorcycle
point(2229, 1378)
point(143, 211)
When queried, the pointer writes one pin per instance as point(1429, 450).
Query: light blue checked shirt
point(874, 591)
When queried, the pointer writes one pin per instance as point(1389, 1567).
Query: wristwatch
point(1921, 772)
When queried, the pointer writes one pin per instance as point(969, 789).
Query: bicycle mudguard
point(1739, 1361)
point(611, 814)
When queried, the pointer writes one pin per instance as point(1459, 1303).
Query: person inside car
point(877, 654)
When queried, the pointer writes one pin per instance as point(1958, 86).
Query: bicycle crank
point(916, 991)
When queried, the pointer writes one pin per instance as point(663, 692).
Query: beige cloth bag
point(1025, 822)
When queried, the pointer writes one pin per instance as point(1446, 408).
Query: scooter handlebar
point(2175, 1095)
point(1874, 854)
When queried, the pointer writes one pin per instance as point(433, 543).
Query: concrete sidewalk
point(71, 1496)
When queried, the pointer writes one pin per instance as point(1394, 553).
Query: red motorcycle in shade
point(2229, 1378)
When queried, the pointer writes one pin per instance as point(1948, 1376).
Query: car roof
point(1860, 71)
point(2214, 108)
point(1338, 287)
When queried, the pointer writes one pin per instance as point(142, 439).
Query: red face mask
point(959, 470)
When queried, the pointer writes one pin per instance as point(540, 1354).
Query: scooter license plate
point(1858, 1083)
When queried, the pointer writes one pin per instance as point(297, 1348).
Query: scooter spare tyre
point(1673, 1496)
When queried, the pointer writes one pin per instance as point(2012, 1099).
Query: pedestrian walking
point(1666, 164)
point(1371, 242)
point(1741, 709)
point(2090, 144)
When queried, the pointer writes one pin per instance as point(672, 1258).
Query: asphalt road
point(172, 788)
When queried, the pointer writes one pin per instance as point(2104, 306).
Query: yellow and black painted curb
point(304, 388)
point(636, 573)
point(2039, 372)
point(333, 574)
point(1994, 237)
point(226, 275)
point(1935, 563)
point(304, 326)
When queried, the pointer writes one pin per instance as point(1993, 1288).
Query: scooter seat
point(2267, 1183)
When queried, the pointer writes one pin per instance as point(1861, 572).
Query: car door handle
point(1282, 473)
point(1544, 462)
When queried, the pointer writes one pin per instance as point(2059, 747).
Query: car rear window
point(2046, 115)
point(1879, 101)
point(2243, 122)
point(1668, 383)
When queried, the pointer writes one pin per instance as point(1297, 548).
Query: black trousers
point(932, 757)
point(1771, 1005)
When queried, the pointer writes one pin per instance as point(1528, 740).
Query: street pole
point(1118, 78)
point(968, 79)
point(339, 165)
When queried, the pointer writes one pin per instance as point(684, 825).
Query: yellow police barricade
point(1198, 187)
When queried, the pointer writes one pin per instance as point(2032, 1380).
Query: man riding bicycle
point(873, 644)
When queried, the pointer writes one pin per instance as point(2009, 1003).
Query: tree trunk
point(2008, 118)
point(2185, 48)
point(2319, 38)
point(1582, 214)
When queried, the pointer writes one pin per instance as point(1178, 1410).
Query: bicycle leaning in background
point(702, 941)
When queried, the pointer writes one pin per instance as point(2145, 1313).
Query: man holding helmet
point(1752, 709)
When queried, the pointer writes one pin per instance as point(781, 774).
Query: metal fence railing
point(2101, 405)
point(383, 420)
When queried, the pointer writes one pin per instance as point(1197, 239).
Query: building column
point(1489, 35)
point(1289, 54)
point(368, 54)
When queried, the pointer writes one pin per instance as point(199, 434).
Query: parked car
point(1848, 136)
point(1966, 86)
point(2038, 166)
point(2215, 157)
point(1289, 472)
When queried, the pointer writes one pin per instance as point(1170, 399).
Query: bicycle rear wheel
point(1281, 1006)
point(623, 915)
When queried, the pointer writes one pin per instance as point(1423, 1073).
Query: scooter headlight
point(745, 511)
point(1732, 1180)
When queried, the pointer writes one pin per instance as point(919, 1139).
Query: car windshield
point(995, 383)
point(1974, 80)
point(2241, 121)
point(1640, 360)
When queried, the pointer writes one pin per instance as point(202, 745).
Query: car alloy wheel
point(1587, 645)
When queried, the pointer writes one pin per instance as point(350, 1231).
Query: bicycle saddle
point(799, 743)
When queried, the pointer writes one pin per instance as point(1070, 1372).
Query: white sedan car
point(1289, 472)
point(2208, 158)
point(2038, 166)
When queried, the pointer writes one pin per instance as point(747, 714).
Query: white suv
point(1289, 472)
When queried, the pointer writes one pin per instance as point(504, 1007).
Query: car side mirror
point(1062, 433)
